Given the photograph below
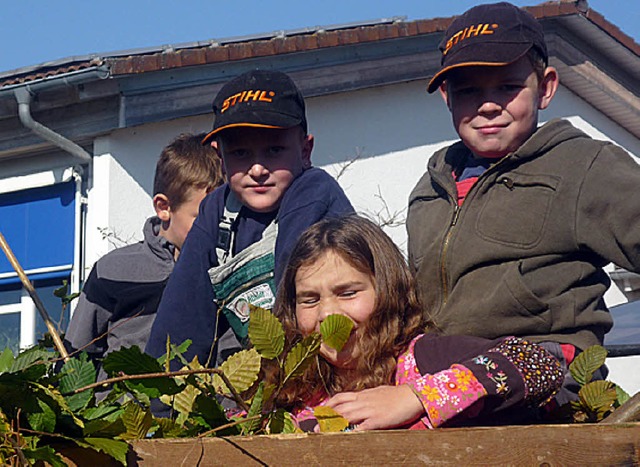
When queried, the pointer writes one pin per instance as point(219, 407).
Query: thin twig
point(106, 333)
point(229, 425)
point(18, 450)
point(344, 166)
point(26, 283)
point(117, 379)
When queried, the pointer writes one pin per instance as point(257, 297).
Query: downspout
point(78, 246)
point(23, 98)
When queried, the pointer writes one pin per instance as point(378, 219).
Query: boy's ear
point(548, 87)
point(162, 207)
point(307, 148)
point(215, 145)
point(444, 93)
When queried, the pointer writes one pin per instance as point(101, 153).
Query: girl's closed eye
point(348, 293)
point(307, 299)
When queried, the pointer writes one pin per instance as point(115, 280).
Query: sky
point(38, 31)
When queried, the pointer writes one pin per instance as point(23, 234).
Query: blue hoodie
point(187, 309)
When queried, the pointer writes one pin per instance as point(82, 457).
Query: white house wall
point(376, 141)
point(121, 187)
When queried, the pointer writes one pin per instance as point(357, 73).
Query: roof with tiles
point(284, 42)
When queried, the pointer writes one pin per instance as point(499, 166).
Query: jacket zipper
point(443, 268)
point(456, 214)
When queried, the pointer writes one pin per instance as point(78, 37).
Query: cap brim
point(207, 139)
point(255, 119)
point(486, 54)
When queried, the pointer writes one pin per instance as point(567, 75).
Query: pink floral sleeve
point(515, 370)
point(444, 394)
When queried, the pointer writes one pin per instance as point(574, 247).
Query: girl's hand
point(378, 408)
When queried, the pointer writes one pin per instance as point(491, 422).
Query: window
point(39, 226)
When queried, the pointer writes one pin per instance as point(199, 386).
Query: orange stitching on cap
point(238, 125)
point(480, 29)
point(245, 96)
point(437, 76)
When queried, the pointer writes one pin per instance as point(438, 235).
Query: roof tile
point(298, 42)
point(193, 57)
point(328, 38)
point(217, 54)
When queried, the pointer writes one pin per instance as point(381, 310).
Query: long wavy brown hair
point(398, 316)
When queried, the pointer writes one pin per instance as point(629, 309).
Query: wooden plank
point(548, 445)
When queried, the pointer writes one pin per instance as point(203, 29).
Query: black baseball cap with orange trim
point(259, 99)
point(494, 34)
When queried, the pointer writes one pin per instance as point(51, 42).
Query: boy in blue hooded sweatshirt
point(240, 243)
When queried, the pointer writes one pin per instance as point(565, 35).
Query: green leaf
point(130, 361)
point(281, 421)
point(137, 421)
point(75, 374)
point(55, 395)
point(622, 396)
point(105, 428)
point(6, 360)
point(586, 363)
point(106, 412)
point(175, 351)
point(300, 356)
point(598, 397)
point(335, 331)
point(241, 368)
point(44, 420)
point(114, 448)
point(329, 420)
point(29, 357)
point(265, 332)
point(168, 428)
point(62, 291)
point(210, 410)
point(184, 400)
point(79, 401)
point(146, 389)
point(256, 409)
point(45, 454)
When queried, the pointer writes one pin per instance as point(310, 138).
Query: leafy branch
point(44, 401)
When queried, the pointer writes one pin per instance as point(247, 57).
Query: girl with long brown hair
point(391, 372)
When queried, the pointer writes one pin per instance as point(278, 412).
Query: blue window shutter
point(38, 225)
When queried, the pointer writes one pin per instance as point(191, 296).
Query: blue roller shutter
point(38, 225)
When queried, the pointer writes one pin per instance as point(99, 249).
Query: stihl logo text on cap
point(246, 96)
point(471, 31)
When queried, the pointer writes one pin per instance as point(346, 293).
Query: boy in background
point(240, 243)
point(120, 297)
point(509, 228)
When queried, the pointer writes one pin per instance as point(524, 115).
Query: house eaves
point(596, 60)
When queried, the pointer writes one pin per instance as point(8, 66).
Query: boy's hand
point(378, 408)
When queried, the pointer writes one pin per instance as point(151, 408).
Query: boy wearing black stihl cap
point(241, 241)
point(510, 227)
